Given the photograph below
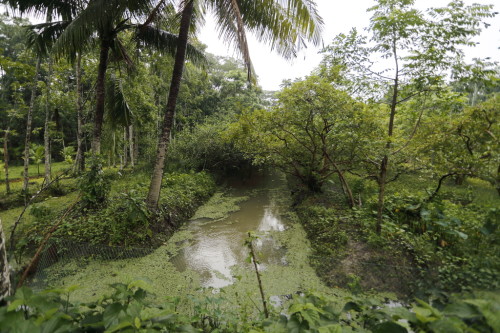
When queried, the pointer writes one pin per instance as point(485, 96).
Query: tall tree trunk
point(345, 185)
point(346, 188)
point(382, 179)
point(100, 97)
point(29, 120)
point(46, 133)
point(114, 149)
point(6, 159)
point(156, 178)
point(79, 159)
point(125, 148)
point(136, 147)
point(131, 144)
point(5, 286)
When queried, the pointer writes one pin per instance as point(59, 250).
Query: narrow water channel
point(218, 245)
point(211, 252)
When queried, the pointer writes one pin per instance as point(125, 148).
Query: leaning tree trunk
point(6, 159)
point(156, 178)
point(29, 120)
point(79, 159)
point(100, 97)
point(46, 134)
point(5, 287)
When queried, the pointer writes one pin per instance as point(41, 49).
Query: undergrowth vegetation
point(122, 217)
point(128, 309)
point(447, 244)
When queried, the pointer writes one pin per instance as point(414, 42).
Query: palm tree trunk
point(114, 149)
point(46, 133)
point(125, 148)
point(156, 178)
point(131, 144)
point(100, 97)
point(5, 286)
point(27, 140)
point(6, 159)
point(79, 159)
point(136, 147)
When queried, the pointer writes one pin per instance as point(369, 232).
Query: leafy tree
point(465, 144)
point(37, 154)
point(422, 49)
point(103, 20)
point(312, 133)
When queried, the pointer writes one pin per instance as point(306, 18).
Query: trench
point(209, 252)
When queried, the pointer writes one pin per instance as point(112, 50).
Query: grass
point(9, 216)
point(16, 177)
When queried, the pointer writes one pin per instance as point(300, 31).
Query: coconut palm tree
point(285, 27)
point(86, 23)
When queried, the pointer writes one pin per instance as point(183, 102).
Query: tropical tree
point(29, 122)
point(37, 154)
point(312, 133)
point(90, 22)
point(422, 49)
point(284, 27)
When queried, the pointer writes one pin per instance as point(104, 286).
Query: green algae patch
point(218, 207)
point(95, 277)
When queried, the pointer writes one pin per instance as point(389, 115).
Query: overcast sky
point(339, 16)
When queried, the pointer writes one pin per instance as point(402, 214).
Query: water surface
point(218, 245)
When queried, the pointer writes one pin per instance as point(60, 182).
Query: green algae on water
point(218, 207)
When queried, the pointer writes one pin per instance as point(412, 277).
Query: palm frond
point(96, 18)
point(118, 112)
point(119, 54)
point(49, 9)
point(287, 25)
point(41, 37)
point(166, 42)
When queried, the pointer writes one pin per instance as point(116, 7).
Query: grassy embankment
point(424, 246)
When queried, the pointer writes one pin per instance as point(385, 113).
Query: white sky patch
point(339, 17)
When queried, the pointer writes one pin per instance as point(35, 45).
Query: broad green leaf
point(389, 327)
point(334, 328)
point(15, 304)
point(490, 310)
point(447, 325)
point(119, 326)
point(112, 314)
point(461, 310)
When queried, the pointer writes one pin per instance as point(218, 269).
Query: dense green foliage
point(128, 309)
point(123, 219)
point(394, 171)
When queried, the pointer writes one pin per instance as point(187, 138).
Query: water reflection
point(218, 245)
point(270, 221)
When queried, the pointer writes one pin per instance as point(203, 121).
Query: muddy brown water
point(218, 245)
